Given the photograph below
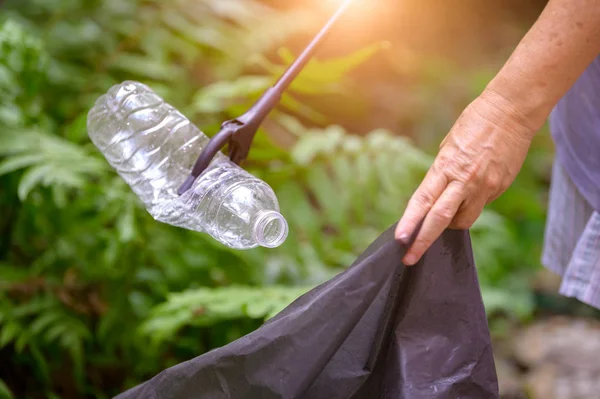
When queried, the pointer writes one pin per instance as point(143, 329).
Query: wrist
point(524, 112)
point(528, 103)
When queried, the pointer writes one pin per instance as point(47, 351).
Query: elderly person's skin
point(485, 149)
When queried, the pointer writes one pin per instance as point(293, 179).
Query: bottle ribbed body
point(153, 147)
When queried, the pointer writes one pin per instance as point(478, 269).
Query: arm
point(485, 149)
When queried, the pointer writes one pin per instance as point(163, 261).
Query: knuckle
point(462, 168)
point(462, 223)
point(471, 172)
point(443, 164)
point(444, 213)
point(424, 199)
point(492, 181)
point(465, 224)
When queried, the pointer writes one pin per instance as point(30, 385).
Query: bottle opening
point(270, 229)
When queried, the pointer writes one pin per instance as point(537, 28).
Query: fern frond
point(50, 161)
point(43, 321)
point(207, 306)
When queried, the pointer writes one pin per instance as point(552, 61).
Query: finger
point(443, 143)
point(468, 214)
point(420, 203)
point(436, 221)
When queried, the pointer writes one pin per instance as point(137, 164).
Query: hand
point(478, 160)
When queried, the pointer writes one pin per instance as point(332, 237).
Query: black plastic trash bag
point(377, 330)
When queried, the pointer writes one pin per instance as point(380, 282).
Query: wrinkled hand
point(478, 160)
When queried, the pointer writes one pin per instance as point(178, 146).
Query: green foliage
point(22, 70)
point(206, 307)
point(93, 289)
point(50, 161)
point(43, 322)
point(5, 392)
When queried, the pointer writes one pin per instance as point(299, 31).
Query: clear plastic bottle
point(153, 147)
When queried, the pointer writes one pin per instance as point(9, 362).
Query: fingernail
point(410, 260)
point(403, 238)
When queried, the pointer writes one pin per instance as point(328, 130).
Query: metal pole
point(294, 69)
point(240, 132)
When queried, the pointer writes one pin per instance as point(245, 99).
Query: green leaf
point(298, 210)
point(44, 321)
point(218, 97)
point(32, 307)
point(302, 110)
point(8, 333)
point(519, 304)
point(22, 341)
point(56, 331)
point(50, 161)
point(147, 67)
point(32, 178)
point(126, 224)
point(12, 164)
point(325, 190)
point(5, 392)
point(75, 348)
point(23, 58)
point(321, 76)
point(205, 307)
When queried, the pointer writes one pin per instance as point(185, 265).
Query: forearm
point(549, 59)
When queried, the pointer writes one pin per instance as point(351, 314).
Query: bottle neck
point(269, 229)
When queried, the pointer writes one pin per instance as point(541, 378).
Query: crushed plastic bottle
point(153, 147)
